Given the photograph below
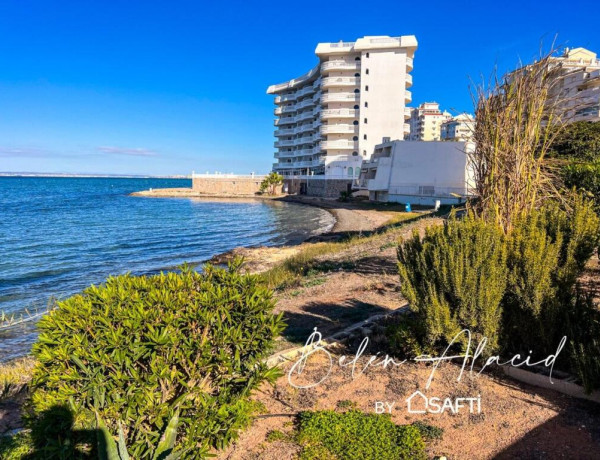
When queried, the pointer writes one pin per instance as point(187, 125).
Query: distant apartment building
point(426, 122)
point(578, 85)
point(329, 119)
point(458, 128)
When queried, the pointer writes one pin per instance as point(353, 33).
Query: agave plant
point(108, 449)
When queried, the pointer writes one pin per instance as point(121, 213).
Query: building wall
point(382, 105)
point(324, 188)
point(425, 171)
point(242, 186)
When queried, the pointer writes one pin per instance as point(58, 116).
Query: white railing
point(339, 129)
point(340, 64)
point(339, 113)
point(339, 144)
point(407, 96)
point(218, 175)
point(285, 98)
point(294, 82)
point(427, 190)
point(409, 80)
point(340, 81)
point(340, 97)
point(409, 63)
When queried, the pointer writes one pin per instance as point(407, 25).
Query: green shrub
point(429, 432)
point(405, 335)
point(583, 330)
point(16, 447)
point(579, 140)
point(454, 278)
point(139, 348)
point(530, 300)
point(353, 435)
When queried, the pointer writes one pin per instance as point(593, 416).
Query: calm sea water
point(59, 235)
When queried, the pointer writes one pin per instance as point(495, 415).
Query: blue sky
point(170, 87)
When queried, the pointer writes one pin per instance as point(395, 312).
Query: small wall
point(242, 186)
point(325, 188)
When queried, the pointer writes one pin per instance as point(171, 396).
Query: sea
point(59, 235)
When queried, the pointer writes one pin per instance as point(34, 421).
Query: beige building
point(426, 122)
point(578, 85)
point(329, 119)
point(458, 128)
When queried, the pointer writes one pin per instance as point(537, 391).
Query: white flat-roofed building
point(458, 128)
point(420, 172)
point(329, 119)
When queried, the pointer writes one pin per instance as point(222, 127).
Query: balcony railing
point(285, 98)
point(340, 81)
point(299, 164)
point(340, 97)
point(340, 65)
point(407, 97)
point(409, 80)
point(339, 129)
point(407, 113)
point(409, 64)
point(339, 113)
point(339, 145)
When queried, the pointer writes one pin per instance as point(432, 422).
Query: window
point(364, 153)
point(365, 121)
point(357, 74)
point(350, 172)
point(365, 137)
point(354, 154)
point(355, 138)
point(367, 88)
point(366, 104)
point(355, 107)
point(355, 122)
point(367, 71)
point(367, 54)
point(357, 58)
point(356, 170)
point(356, 91)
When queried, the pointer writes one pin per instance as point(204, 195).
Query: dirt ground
point(516, 420)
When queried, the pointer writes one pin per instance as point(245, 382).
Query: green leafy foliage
point(579, 140)
point(271, 182)
point(454, 278)
point(353, 435)
point(139, 348)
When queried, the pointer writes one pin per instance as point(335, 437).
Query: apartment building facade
point(330, 119)
point(458, 128)
point(425, 122)
point(578, 85)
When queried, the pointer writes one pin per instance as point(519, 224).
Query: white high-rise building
point(331, 118)
point(425, 122)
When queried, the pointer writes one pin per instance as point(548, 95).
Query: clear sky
point(152, 87)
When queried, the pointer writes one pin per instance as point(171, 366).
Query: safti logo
point(419, 403)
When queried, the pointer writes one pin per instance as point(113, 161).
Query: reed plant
point(518, 117)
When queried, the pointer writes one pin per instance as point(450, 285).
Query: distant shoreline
point(90, 176)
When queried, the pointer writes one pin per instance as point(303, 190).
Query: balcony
point(339, 64)
point(407, 97)
point(330, 82)
point(285, 121)
point(339, 129)
point(286, 98)
point(340, 97)
point(305, 103)
point(285, 132)
point(407, 113)
point(339, 113)
point(409, 80)
point(284, 143)
point(409, 64)
point(406, 128)
point(305, 91)
point(299, 164)
point(340, 144)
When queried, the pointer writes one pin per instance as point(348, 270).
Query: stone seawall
point(227, 185)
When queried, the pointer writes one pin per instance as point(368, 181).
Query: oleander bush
point(454, 278)
point(353, 435)
point(139, 348)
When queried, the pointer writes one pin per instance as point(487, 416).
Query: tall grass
point(517, 119)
